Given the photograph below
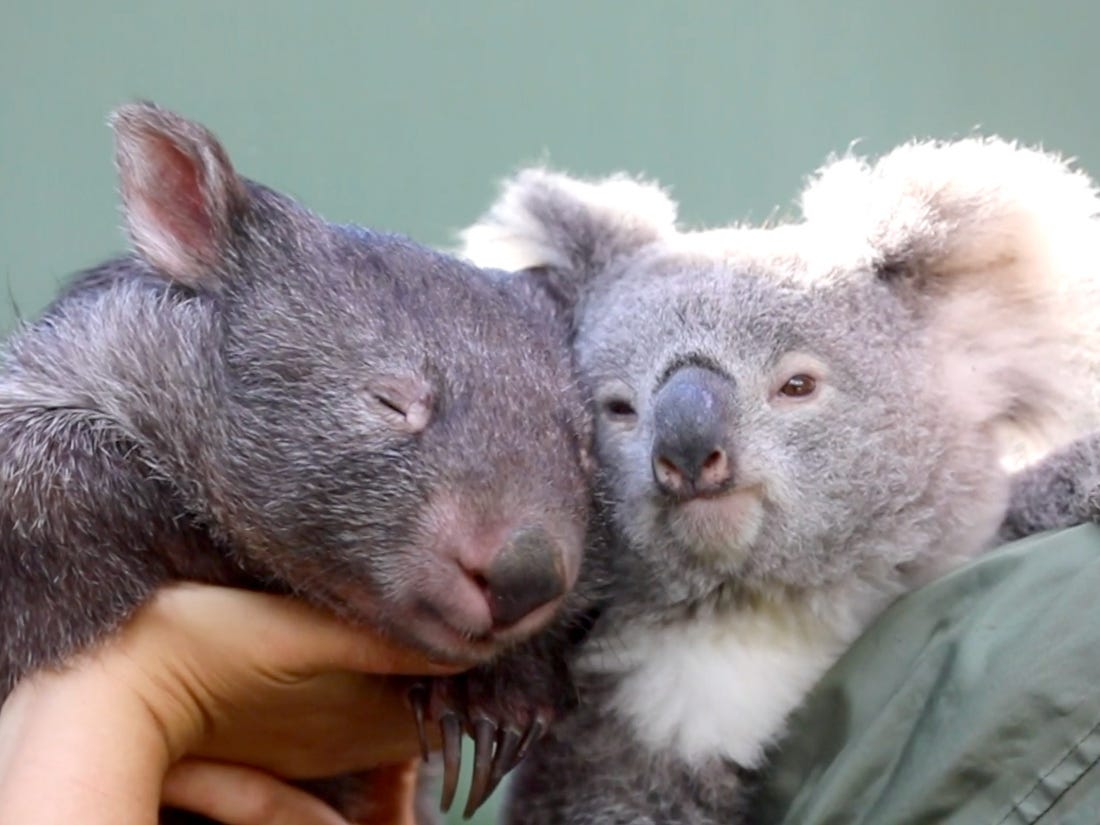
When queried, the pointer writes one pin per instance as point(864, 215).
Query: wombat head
point(827, 400)
point(384, 429)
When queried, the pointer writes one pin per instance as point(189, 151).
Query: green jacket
point(973, 700)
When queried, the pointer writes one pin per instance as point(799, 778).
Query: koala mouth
point(721, 525)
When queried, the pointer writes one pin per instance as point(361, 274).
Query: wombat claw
point(497, 750)
point(451, 728)
point(484, 736)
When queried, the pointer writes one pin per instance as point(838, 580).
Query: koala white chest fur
point(723, 686)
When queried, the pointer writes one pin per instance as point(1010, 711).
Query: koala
point(795, 424)
point(256, 397)
point(1061, 490)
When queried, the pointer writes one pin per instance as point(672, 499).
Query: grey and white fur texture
point(257, 397)
point(1061, 490)
point(795, 425)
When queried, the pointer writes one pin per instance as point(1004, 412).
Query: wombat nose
point(524, 576)
point(693, 421)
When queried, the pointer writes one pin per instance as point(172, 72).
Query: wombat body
point(263, 399)
point(795, 425)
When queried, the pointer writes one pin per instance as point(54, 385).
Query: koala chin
point(722, 528)
point(794, 425)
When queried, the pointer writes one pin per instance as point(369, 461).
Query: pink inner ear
point(175, 198)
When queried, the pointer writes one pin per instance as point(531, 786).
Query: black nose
point(525, 575)
point(694, 417)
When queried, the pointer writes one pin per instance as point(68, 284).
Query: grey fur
point(943, 302)
point(261, 398)
point(1062, 490)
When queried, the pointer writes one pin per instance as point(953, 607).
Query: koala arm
point(1062, 490)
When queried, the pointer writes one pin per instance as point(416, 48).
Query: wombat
point(795, 425)
point(259, 398)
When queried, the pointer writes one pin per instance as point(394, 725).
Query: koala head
point(827, 400)
point(386, 429)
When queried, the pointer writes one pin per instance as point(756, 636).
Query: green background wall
point(403, 115)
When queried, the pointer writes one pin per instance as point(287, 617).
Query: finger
point(391, 791)
point(298, 637)
point(236, 795)
point(325, 641)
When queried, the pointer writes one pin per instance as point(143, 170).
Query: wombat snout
point(693, 424)
point(526, 574)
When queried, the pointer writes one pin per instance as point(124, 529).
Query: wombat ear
point(180, 195)
point(571, 230)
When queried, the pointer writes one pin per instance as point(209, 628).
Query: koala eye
point(615, 402)
point(799, 386)
point(619, 409)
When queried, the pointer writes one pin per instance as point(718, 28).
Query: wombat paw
point(504, 721)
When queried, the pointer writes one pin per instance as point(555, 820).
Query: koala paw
point(504, 708)
point(1092, 506)
point(1061, 490)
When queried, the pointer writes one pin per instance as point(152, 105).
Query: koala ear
point(977, 210)
point(569, 228)
point(998, 247)
point(180, 195)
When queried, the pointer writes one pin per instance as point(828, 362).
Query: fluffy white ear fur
point(961, 208)
point(1003, 241)
point(548, 219)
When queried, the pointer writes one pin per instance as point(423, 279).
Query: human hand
point(286, 687)
point(240, 795)
point(220, 674)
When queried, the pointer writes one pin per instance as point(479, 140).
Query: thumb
point(300, 638)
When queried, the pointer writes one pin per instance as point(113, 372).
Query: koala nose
point(693, 417)
point(525, 575)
